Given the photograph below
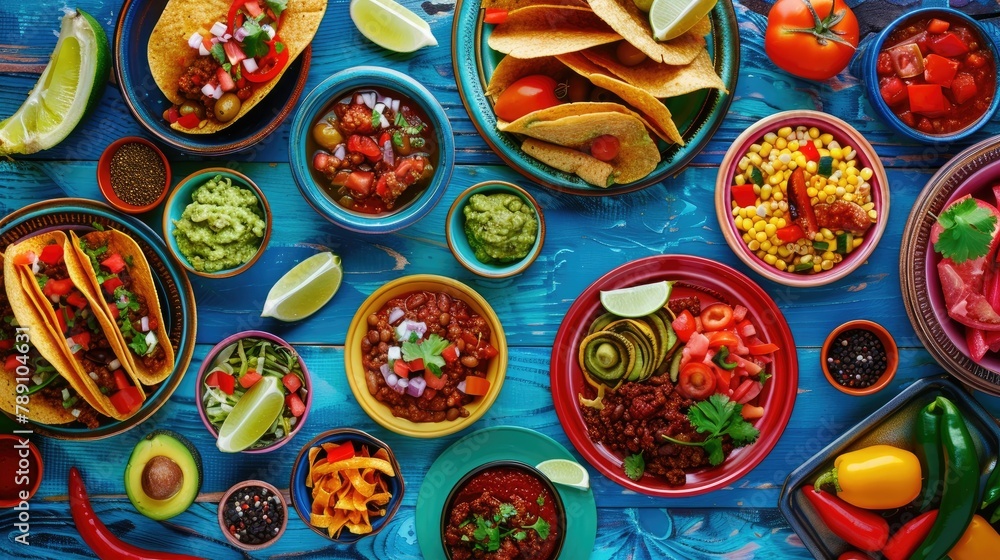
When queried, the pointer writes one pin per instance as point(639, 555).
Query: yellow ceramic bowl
point(356, 372)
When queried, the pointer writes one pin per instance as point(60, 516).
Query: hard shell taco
point(217, 59)
point(115, 277)
point(50, 398)
point(80, 333)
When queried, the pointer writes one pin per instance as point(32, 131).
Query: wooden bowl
point(222, 521)
point(891, 352)
point(104, 175)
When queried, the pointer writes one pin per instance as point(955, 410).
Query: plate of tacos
point(213, 77)
point(97, 324)
point(577, 94)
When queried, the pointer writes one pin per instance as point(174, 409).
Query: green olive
point(577, 88)
point(227, 107)
point(629, 55)
point(192, 107)
point(327, 134)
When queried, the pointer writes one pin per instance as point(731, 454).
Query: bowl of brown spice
point(133, 174)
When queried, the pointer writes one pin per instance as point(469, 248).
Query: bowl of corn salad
point(802, 198)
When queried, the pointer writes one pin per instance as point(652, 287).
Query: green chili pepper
point(992, 491)
point(721, 359)
point(928, 450)
point(960, 496)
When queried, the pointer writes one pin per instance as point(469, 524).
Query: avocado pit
point(162, 478)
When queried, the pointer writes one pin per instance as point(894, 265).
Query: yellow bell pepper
point(876, 477)
point(979, 541)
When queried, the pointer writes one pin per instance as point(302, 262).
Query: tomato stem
point(823, 28)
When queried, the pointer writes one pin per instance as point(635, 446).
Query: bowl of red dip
point(932, 75)
point(505, 504)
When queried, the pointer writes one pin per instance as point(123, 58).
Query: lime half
point(637, 301)
point(305, 288)
point(391, 26)
point(69, 87)
point(672, 18)
point(252, 415)
point(565, 472)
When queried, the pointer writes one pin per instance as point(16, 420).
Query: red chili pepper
point(858, 527)
point(495, 16)
point(799, 203)
point(340, 453)
point(906, 540)
point(809, 150)
point(271, 64)
point(189, 120)
point(744, 195)
point(790, 234)
point(97, 536)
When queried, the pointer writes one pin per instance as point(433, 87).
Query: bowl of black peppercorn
point(133, 175)
point(253, 515)
point(859, 357)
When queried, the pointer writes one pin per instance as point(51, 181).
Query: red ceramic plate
point(711, 282)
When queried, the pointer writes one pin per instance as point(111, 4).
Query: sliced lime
point(305, 288)
point(252, 415)
point(565, 472)
point(672, 18)
point(391, 26)
point(637, 301)
point(69, 87)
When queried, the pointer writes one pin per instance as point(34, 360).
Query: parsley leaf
point(718, 416)
point(506, 511)
point(541, 500)
point(277, 6)
point(429, 350)
point(376, 119)
point(635, 465)
point(255, 43)
point(968, 231)
point(540, 526)
point(218, 53)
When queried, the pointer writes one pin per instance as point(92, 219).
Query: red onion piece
point(416, 386)
point(395, 314)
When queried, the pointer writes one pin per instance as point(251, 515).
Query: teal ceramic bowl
point(458, 241)
point(318, 102)
point(179, 199)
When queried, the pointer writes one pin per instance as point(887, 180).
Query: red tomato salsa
point(373, 151)
point(504, 512)
point(937, 74)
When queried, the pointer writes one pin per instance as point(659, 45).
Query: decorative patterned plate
point(710, 282)
point(696, 114)
point(173, 287)
point(974, 171)
point(493, 444)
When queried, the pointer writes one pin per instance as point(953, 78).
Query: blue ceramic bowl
point(180, 197)
point(147, 103)
point(302, 496)
point(869, 75)
point(315, 105)
point(454, 227)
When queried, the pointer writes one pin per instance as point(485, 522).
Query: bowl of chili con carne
point(504, 504)
point(133, 174)
point(371, 150)
point(425, 356)
point(931, 75)
point(859, 357)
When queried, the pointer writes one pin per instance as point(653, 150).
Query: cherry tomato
point(723, 338)
point(696, 381)
point(814, 45)
point(717, 317)
point(605, 147)
point(530, 93)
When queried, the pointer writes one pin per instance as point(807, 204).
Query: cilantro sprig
point(490, 531)
point(968, 231)
point(635, 466)
point(429, 350)
point(718, 416)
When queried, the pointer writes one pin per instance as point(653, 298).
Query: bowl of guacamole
point(495, 229)
point(216, 223)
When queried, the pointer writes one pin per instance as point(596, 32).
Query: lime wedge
point(69, 87)
point(637, 301)
point(565, 472)
point(672, 18)
point(252, 415)
point(643, 5)
point(391, 26)
point(305, 288)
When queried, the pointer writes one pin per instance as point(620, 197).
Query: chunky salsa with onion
point(374, 151)
point(937, 74)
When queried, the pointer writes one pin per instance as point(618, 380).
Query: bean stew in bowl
point(425, 356)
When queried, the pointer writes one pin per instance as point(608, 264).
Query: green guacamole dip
point(500, 227)
point(221, 228)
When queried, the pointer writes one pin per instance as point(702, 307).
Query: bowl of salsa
point(371, 150)
point(931, 75)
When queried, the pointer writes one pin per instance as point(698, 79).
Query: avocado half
point(163, 475)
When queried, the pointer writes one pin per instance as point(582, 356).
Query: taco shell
point(542, 30)
point(658, 79)
point(142, 284)
point(169, 54)
point(585, 166)
point(632, 24)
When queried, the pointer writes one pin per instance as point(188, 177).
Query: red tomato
point(495, 15)
point(114, 263)
point(717, 317)
point(940, 70)
point(51, 254)
point(58, 287)
point(11, 363)
point(530, 93)
point(291, 382)
point(127, 400)
point(790, 234)
point(450, 354)
point(435, 382)
point(938, 26)
point(360, 182)
point(744, 195)
point(948, 44)
point(814, 45)
point(249, 378)
point(684, 325)
point(121, 381)
point(927, 99)
point(723, 338)
point(295, 405)
point(189, 120)
point(605, 147)
point(963, 87)
point(696, 381)
point(893, 91)
point(226, 382)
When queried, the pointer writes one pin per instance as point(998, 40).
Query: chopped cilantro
point(218, 53)
point(376, 118)
point(397, 139)
point(717, 417)
point(968, 231)
point(278, 47)
point(635, 465)
point(277, 6)
point(429, 350)
point(541, 500)
point(400, 120)
point(255, 43)
point(506, 511)
point(540, 526)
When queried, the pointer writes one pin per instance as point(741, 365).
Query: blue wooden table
point(586, 237)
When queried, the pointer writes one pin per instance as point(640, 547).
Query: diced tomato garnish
point(883, 64)
point(189, 120)
point(341, 452)
point(58, 287)
point(295, 405)
point(153, 324)
point(360, 182)
point(765, 348)
point(809, 150)
point(416, 366)
point(213, 379)
point(753, 368)
point(226, 82)
point(227, 383)
point(940, 70)
point(739, 313)
point(252, 7)
point(127, 400)
point(927, 99)
point(114, 263)
point(723, 338)
point(249, 378)
point(6, 344)
point(172, 114)
point(495, 16)
point(750, 412)
point(11, 363)
point(684, 325)
point(51, 254)
point(963, 87)
point(27, 258)
point(121, 381)
point(83, 339)
point(234, 54)
point(364, 145)
point(450, 354)
point(76, 299)
point(62, 320)
point(723, 378)
point(291, 382)
point(893, 91)
point(948, 44)
point(429, 393)
point(488, 351)
point(744, 195)
point(400, 368)
point(435, 382)
point(936, 26)
point(747, 391)
point(111, 284)
point(476, 386)
point(115, 312)
point(717, 317)
point(382, 186)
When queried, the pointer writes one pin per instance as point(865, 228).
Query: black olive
point(100, 356)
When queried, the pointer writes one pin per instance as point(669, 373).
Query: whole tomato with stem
point(813, 39)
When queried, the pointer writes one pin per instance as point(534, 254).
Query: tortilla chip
point(169, 54)
point(584, 166)
point(633, 25)
point(511, 5)
point(658, 79)
point(703, 27)
point(537, 31)
point(340, 502)
point(652, 109)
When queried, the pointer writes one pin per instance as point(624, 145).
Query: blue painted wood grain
point(586, 237)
